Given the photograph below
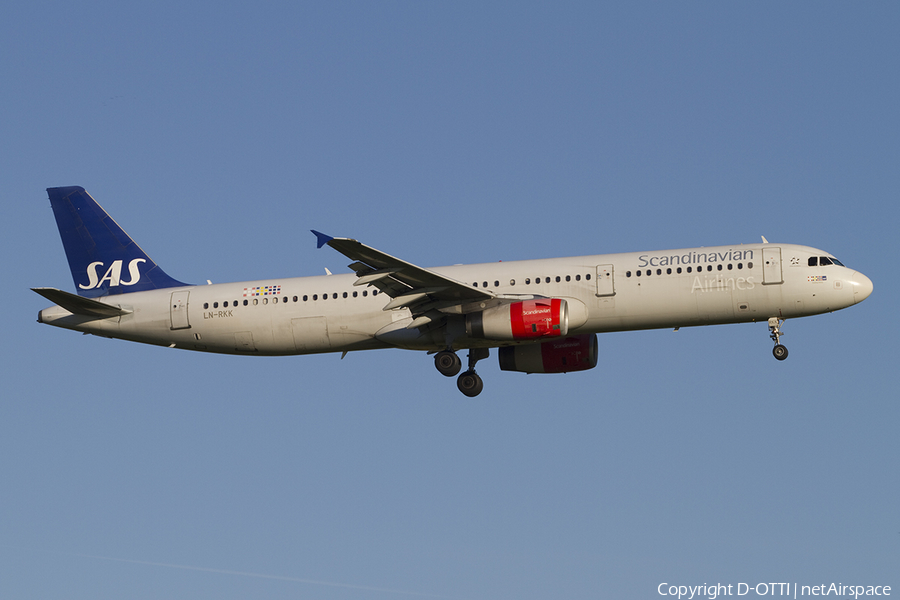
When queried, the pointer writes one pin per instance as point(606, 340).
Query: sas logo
point(113, 274)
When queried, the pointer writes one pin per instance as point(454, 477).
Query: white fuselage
point(609, 292)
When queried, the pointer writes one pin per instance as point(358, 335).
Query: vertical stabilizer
point(103, 259)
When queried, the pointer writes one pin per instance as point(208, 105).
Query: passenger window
point(568, 278)
point(355, 294)
point(365, 293)
point(256, 302)
point(558, 279)
point(638, 273)
point(678, 270)
point(578, 278)
point(205, 305)
point(484, 284)
point(627, 273)
point(512, 282)
point(305, 298)
point(588, 276)
point(496, 284)
point(528, 281)
point(215, 305)
point(275, 300)
point(345, 294)
point(669, 271)
point(689, 269)
point(315, 297)
point(749, 265)
point(295, 298)
point(245, 303)
point(719, 267)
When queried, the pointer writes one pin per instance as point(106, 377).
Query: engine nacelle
point(573, 353)
point(523, 320)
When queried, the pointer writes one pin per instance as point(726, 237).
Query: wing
point(427, 294)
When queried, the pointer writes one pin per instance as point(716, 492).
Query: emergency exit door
point(605, 284)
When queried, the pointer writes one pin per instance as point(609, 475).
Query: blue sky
point(218, 134)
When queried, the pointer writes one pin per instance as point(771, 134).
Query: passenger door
point(772, 266)
point(178, 310)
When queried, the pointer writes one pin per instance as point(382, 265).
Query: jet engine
point(573, 353)
point(523, 320)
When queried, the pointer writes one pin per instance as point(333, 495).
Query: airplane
point(542, 316)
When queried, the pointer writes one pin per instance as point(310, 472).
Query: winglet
point(321, 238)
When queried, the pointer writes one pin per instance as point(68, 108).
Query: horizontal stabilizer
point(79, 305)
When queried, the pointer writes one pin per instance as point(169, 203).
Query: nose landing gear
point(779, 351)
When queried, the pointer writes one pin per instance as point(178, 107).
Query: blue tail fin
point(103, 259)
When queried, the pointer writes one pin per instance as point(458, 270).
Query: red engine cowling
point(524, 320)
point(574, 353)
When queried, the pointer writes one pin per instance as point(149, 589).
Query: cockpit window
point(824, 261)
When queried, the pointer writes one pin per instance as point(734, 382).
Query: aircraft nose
point(862, 286)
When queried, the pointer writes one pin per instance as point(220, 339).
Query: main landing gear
point(779, 351)
point(449, 364)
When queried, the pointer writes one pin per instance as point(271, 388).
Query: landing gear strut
point(779, 351)
point(469, 383)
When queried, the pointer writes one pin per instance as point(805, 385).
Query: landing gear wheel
point(470, 384)
point(780, 352)
point(775, 333)
point(448, 363)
